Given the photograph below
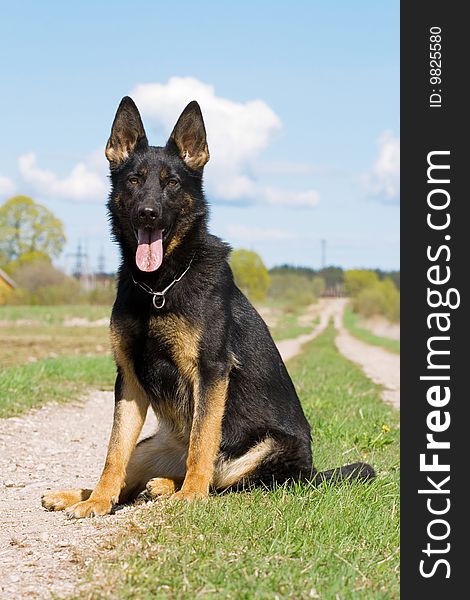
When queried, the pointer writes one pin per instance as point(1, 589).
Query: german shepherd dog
point(187, 342)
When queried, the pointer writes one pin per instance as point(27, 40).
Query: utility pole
point(101, 262)
point(79, 256)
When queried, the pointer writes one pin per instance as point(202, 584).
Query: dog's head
point(156, 196)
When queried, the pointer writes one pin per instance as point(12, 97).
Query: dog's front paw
point(160, 487)
point(90, 508)
point(62, 499)
point(189, 495)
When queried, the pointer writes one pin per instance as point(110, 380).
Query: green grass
point(288, 327)
point(351, 322)
point(53, 314)
point(298, 542)
point(53, 379)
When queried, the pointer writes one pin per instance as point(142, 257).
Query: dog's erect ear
point(127, 132)
point(188, 138)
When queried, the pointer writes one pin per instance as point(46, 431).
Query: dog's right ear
point(127, 133)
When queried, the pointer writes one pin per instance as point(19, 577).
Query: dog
point(187, 342)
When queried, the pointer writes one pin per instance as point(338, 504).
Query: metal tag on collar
point(161, 300)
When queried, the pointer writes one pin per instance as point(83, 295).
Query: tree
point(319, 286)
point(358, 279)
point(250, 274)
point(333, 276)
point(28, 231)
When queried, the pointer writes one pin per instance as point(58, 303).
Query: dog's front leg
point(131, 404)
point(205, 437)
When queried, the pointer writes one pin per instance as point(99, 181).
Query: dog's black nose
point(147, 213)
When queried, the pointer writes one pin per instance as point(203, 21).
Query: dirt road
point(57, 447)
point(378, 364)
point(64, 446)
point(381, 366)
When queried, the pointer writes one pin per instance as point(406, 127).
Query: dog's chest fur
point(162, 353)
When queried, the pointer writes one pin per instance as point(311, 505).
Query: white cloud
point(85, 182)
point(294, 169)
point(243, 233)
point(278, 197)
point(384, 178)
point(7, 186)
point(237, 133)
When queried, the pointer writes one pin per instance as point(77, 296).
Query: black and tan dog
point(197, 351)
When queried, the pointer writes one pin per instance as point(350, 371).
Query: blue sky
point(301, 102)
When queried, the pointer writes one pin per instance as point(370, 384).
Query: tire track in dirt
point(381, 366)
point(325, 309)
point(43, 553)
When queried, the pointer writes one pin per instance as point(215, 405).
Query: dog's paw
point(160, 487)
point(189, 495)
point(90, 508)
point(62, 499)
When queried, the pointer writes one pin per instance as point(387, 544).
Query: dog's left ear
point(188, 138)
point(127, 133)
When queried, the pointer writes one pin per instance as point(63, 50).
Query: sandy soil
point(326, 309)
point(54, 447)
point(378, 364)
point(381, 327)
point(57, 447)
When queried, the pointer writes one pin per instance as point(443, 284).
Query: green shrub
point(250, 274)
point(319, 286)
point(380, 298)
point(292, 289)
point(357, 280)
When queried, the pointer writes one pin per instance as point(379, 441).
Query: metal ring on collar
point(161, 297)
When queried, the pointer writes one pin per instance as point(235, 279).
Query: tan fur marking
point(198, 160)
point(204, 442)
point(62, 499)
point(163, 455)
point(121, 359)
point(183, 342)
point(161, 486)
point(129, 416)
point(115, 155)
point(230, 472)
point(179, 236)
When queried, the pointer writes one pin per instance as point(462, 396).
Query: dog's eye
point(172, 183)
point(133, 180)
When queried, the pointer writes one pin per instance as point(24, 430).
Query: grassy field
point(286, 320)
point(293, 542)
point(53, 314)
point(52, 354)
point(351, 322)
point(52, 379)
point(288, 327)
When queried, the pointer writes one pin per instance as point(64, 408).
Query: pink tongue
point(149, 253)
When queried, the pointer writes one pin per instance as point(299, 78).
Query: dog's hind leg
point(276, 459)
point(229, 473)
point(158, 464)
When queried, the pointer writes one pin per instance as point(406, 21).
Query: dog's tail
point(356, 472)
